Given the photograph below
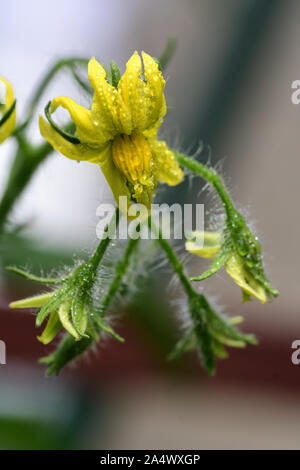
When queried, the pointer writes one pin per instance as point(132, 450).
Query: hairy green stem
point(173, 259)
point(121, 270)
point(179, 270)
point(100, 250)
point(212, 177)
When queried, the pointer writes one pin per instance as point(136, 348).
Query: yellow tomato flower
point(7, 111)
point(119, 132)
point(234, 264)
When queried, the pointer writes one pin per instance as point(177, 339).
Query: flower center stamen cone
point(132, 155)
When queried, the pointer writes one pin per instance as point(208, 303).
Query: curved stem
point(121, 270)
point(168, 52)
point(111, 228)
point(173, 259)
point(43, 85)
point(211, 176)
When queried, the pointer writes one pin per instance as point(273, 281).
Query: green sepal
point(223, 339)
point(205, 347)
point(186, 343)
point(215, 266)
point(52, 304)
point(105, 327)
point(222, 326)
point(199, 313)
point(115, 74)
point(91, 329)
point(33, 277)
point(219, 350)
point(156, 60)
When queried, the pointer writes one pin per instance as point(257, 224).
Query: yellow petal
point(155, 86)
point(206, 244)
point(151, 133)
point(134, 93)
point(241, 275)
point(64, 316)
point(115, 179)
point(144, 99)
point(32, 302)
point(109, 113)
point(8, 127)
point(86, 132)
point(73, 151)
point(52, 328)
point(165, 164)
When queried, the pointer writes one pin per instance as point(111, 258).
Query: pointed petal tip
point(43, 340)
